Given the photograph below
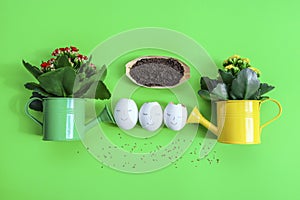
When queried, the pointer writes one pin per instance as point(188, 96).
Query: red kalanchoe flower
point(51, 61)
point(45, 64)
point(55, 52)
point(62, 49)
point(81, 57)
point(74, 49)
point(67, 49)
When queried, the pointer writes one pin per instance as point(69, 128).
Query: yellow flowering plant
point(239, 80)
point(235, 64)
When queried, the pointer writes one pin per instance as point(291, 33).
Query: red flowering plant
point(67, 74)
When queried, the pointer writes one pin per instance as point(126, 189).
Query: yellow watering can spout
point(197, 118)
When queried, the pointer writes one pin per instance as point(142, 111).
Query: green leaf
point(208, 84)
point(31, 85)
point(81, 91)
point(62, 61)
point(204, 94)
point(32, 69)
point(95, 90)
point(226, 77)
point(217, 94)
point(52, 82)
point(89, 72)
point(87, 80)
point(220, 91)
point(256, 95)
point(36, 105)
point(264, 97)
point(245, 85)
point(59, 82)
point(102, 72)
point(102, 92)
point(36, 88)
point(264, 88)
point(68, 80)
point(83, 84)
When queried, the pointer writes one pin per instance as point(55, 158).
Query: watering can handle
point(274, 118)
point(28, 113)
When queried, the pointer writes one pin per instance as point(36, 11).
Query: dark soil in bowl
point(157, 72)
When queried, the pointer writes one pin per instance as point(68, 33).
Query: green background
point(265, 31)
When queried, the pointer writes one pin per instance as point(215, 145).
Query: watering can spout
point(104, 116)
point(197, 117)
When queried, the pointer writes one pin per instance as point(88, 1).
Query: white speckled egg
point(126, 114)
point(175, 116)
point(151, 116)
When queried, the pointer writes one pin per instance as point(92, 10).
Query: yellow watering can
point(238, 121)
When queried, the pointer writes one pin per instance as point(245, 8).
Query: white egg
point(151, 116)
point(175, 116)
point(126, 114)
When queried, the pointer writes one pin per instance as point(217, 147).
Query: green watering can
point(64, 118)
